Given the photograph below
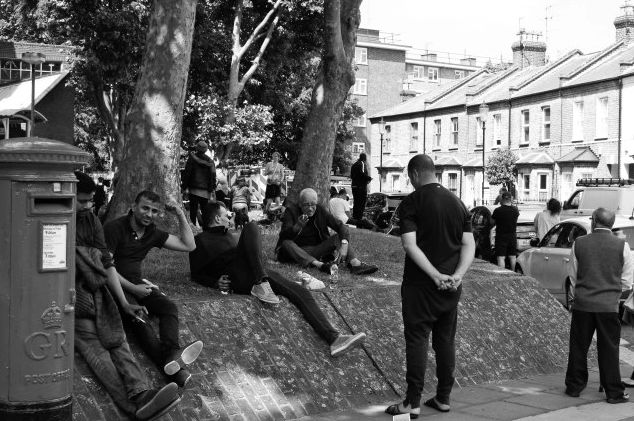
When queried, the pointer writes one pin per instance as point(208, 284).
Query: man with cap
point(199, 179)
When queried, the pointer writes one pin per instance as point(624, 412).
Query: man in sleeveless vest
point(600, 268)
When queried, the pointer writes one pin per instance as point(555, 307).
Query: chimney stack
point(528, 52)
point(624, 24)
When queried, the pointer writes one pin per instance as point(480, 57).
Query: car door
point(542, 253)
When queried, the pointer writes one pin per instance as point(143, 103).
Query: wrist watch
point(344, 241)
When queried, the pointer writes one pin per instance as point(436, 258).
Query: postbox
point(37, 277)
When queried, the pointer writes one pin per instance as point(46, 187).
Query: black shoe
point(362, 269)
point(620, 399)
point(572, 393)
point(152, 402)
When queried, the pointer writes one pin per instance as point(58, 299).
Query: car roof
point(584, 221)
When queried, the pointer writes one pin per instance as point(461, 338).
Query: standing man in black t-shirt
point(359, 180)
point(505, 219)
point(129, 239)
point(439, 248)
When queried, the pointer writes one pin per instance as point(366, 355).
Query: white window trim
point(457, 187)
point(455, 128)
point(433, 71)
point(360, 82)
point(361, 55)
point(361, 121)
point(358, 147)
point(387, 141)
point(421, 72)
point(478, 142)
point(497, 129)
point(523, 126)
point(601, 127)
point(577, 120)
point(544, 122)
point(413, 136)
point(437, 133)
point(459, 74)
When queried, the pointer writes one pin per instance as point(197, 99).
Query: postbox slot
point(51, 205)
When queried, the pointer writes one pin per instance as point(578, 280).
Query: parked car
point(548, 260)
point(614, 194)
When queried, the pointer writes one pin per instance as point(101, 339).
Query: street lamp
point(33, 59)
point(381, 131)
point(484, 112)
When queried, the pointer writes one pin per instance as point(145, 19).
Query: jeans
point(418, 325)
point(194, 203)
point(160, 350)
point(582, 328)
point(359, 197)
point(305, 255)
point(116, 368)
point(248, 267)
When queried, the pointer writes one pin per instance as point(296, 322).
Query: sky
point(489, 27)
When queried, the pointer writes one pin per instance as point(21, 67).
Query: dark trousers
point(608, 328)
point(194, 203)
point(359, 197)
point(290, 252)
point(417, 326)
point(160, 349)
point(116, 368)
point(248, 267)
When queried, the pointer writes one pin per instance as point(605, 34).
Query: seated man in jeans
point(304, 238)
point(99, 335)
point(222, 259)
point(129, 239)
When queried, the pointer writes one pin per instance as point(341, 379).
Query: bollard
point(37, 277)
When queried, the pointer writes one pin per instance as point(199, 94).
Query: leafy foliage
point(500, 167)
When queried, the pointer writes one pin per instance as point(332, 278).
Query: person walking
point(199, 180)
point(439, 248)
point(505, 219)
point(600, 268)
point(360, 181)
point(547, 219)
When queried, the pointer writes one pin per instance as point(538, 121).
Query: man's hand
point(134, 310)
point(141, 291)
point(443, 282)
point(303, 218)
point(173, 208)
point(457, 281)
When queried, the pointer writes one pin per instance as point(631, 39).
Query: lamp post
point(484, 111)
point(33, 59)
point(381, 131)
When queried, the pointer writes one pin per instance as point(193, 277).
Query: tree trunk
point(334, 80)
point(154, 122)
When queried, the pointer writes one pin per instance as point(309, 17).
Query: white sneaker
point(310, 282)
point(345, 342)
point(264, 293)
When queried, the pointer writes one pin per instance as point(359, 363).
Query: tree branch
point(260, 27)
point(235, 35)
point(258, 57)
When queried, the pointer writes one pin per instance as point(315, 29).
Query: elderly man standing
point(439, 248)
point(360, 180)
point(304, 238)
point(600, 268)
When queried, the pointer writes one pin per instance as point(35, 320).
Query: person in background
point(339, 207)
point(199, 180)
point(498, 199)
point(274, 171)
point(100, 195)
point(504, 218)
point(333, 191)
point(344, 194)
point(222, 191)
point(360, 180)
point(600, 268)
point(547, 219)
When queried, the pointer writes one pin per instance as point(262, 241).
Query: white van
point(613, 194)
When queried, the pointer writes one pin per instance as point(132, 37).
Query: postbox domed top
point(41, 150)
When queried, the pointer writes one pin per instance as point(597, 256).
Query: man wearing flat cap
point(199, 180)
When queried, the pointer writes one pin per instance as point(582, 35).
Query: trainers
point(620, 399)
point(403, 408)
point(264, 293)
point(363, 269)
point(345, 342)
point(186, 357)
point(310, 282)
point(152, 402)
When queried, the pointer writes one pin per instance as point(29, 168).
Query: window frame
point(437, 133)
point(459, 74)
point(357, 121)
point(546, 123)
point(358, 147)
point(601, 124)
point(452, 177)
point(387, 139)
point(455, 127)
point(413, 136)
point(361, 50)
point(433, 74)
point(418, 72)
point(356, 90)
point(479, 141)
point(577, 121)
point(525, 127)
point(497, 129)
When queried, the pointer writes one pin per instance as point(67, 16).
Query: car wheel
point(518, 269)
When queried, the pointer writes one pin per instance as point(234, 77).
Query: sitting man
point(222, 259)
point(304, 238)
point(99, 335)
point(129, 239)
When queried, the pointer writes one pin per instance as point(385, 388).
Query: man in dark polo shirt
point(505, 220)
point(600, 267)
point(439, 248)
point(129, 239)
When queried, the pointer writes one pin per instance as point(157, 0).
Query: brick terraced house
point(565, 120)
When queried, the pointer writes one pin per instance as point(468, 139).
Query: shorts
point(506, 245)
point(272, 191)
